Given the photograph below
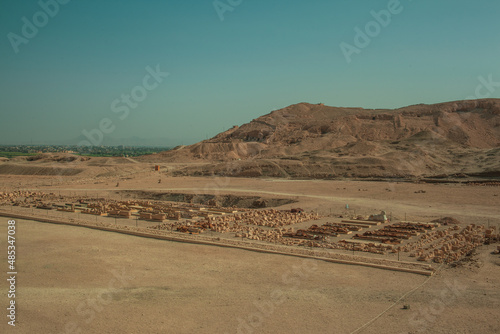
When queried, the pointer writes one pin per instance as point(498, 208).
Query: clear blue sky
point(263, 56)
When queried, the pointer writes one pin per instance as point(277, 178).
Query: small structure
point(158, 217)
point(145, 215)
point(379, 218)
point(157, 168)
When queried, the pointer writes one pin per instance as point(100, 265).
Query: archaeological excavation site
point(410, 246)
point(250, 167)
point(265, 228)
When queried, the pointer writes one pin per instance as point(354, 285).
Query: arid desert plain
point(79, 279)
point(250, 167)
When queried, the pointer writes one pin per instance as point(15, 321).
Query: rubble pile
point(274, 218)
point(450, 245)
point(24, 198)
point(396, 233)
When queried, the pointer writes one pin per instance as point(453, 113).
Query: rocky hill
point(460, 138)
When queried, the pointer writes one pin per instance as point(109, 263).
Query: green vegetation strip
point(11, 155)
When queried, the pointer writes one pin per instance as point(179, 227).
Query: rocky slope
point(317, 141)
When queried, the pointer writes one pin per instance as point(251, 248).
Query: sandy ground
point(77, 280)
point(97, 282)
point(476, 204)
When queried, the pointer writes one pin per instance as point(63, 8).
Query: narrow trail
point(132, 160)
point(367, 324)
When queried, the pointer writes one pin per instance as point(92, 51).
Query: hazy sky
point(88, 63)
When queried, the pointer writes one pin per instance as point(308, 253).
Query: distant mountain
point(314, 140)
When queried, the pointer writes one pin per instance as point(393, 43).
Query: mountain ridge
point(314, 140)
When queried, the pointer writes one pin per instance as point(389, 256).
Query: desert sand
point(181, 288)
point(164, 287)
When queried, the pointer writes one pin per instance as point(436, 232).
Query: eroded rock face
point(215, 200)
point(353, 142)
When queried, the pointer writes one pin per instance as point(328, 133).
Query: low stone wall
point(409, 267)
